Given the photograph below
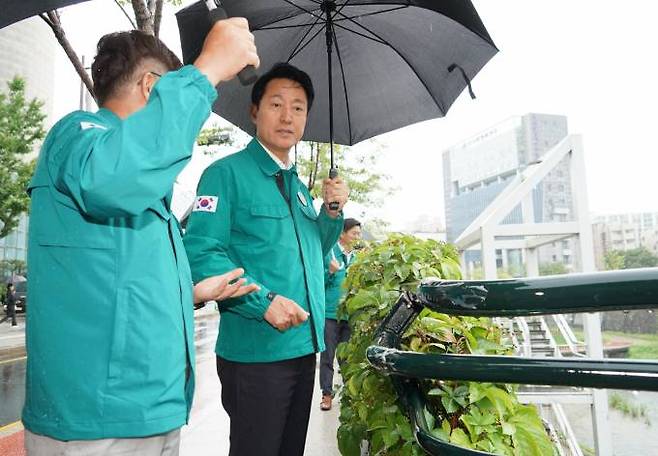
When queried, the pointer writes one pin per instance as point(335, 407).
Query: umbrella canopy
point(17, 278)
point(393, 62)
point(17, 10)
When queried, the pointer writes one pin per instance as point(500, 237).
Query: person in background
point(336, 330)
point(10, 302)
point(253, 210)
point(110, 326)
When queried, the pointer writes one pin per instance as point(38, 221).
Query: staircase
point(532, 337)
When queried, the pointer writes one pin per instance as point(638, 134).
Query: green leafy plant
point(482, 416)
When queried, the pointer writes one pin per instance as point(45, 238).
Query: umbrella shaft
point(329, 38)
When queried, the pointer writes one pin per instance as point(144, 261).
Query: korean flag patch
point(205, 204)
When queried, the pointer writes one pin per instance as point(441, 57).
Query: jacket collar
point(263, 159)
point(109, 116)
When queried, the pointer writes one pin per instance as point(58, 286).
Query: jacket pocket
point(82, 242)
point(270, 211)
point(119, 333)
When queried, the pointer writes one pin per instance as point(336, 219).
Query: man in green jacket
point(253, 210)
point(110, 328)
point(336, 330)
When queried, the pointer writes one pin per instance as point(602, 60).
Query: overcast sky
point(591, 60)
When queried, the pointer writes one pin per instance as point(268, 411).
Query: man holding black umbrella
point(253, 210)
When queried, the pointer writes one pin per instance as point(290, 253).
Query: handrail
point(569, 435)
point(523, 324)
point(552, 342)
point(573, 293)
point(616, 290)
point(568, 335)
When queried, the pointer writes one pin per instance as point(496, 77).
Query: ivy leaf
point(459, 437)
point(391, 438)
point(450, 268)
point(440, 434)
point(415, 344)
point(429, 418)
point(500, 399)
point(530, 437)
point(349, 440)
point(508, 428)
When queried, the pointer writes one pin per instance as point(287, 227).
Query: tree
point(147, 14)
point(367, 187)
point(640, 257)
point(11, 267)
point(614, 260)
point(21, 126)
point(552, 269)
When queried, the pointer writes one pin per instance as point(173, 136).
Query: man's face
point(280, 117)
point(349, 237)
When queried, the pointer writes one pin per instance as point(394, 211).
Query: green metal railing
point(597, 292)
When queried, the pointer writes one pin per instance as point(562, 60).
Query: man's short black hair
point(283, 70)
point(120, 54)
point(350, 223)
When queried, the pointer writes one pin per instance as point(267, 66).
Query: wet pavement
point(208, 430)
point(12, 390)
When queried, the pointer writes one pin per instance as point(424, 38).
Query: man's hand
point(284, 313)
point(335, 190)
point(228, 48)
point(333, 266)
point(218, 288)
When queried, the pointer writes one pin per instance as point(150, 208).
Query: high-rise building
point(624, 232)
point(27, 49)
point(476, 170)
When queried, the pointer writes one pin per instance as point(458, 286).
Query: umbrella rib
point(269, 26)
point(342, 72)
point(374, 13)
point(363, 35)
point(299, 48)
point(277, 27)
point(303, 9)
point(401, 56)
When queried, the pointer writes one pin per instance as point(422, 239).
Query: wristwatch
point(271, 295)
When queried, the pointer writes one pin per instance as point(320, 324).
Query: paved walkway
point(208, 431)
point(12, 338)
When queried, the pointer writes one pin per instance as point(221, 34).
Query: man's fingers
point(233, 274)
point(231, 289)
point(300, 316)
point(244, 290)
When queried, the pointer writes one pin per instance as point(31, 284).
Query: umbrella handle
point(333, 173)
point(216, 12)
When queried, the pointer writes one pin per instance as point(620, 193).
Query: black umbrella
point(17, 10)
point(377, 65)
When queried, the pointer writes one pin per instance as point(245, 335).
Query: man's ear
point(146, 85)
point(253, 112)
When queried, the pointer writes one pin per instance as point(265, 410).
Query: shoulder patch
point(205, 203)
point(88, 125)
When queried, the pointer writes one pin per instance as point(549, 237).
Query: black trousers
point(269, 405)
point(335, 332)
point(11, 313)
